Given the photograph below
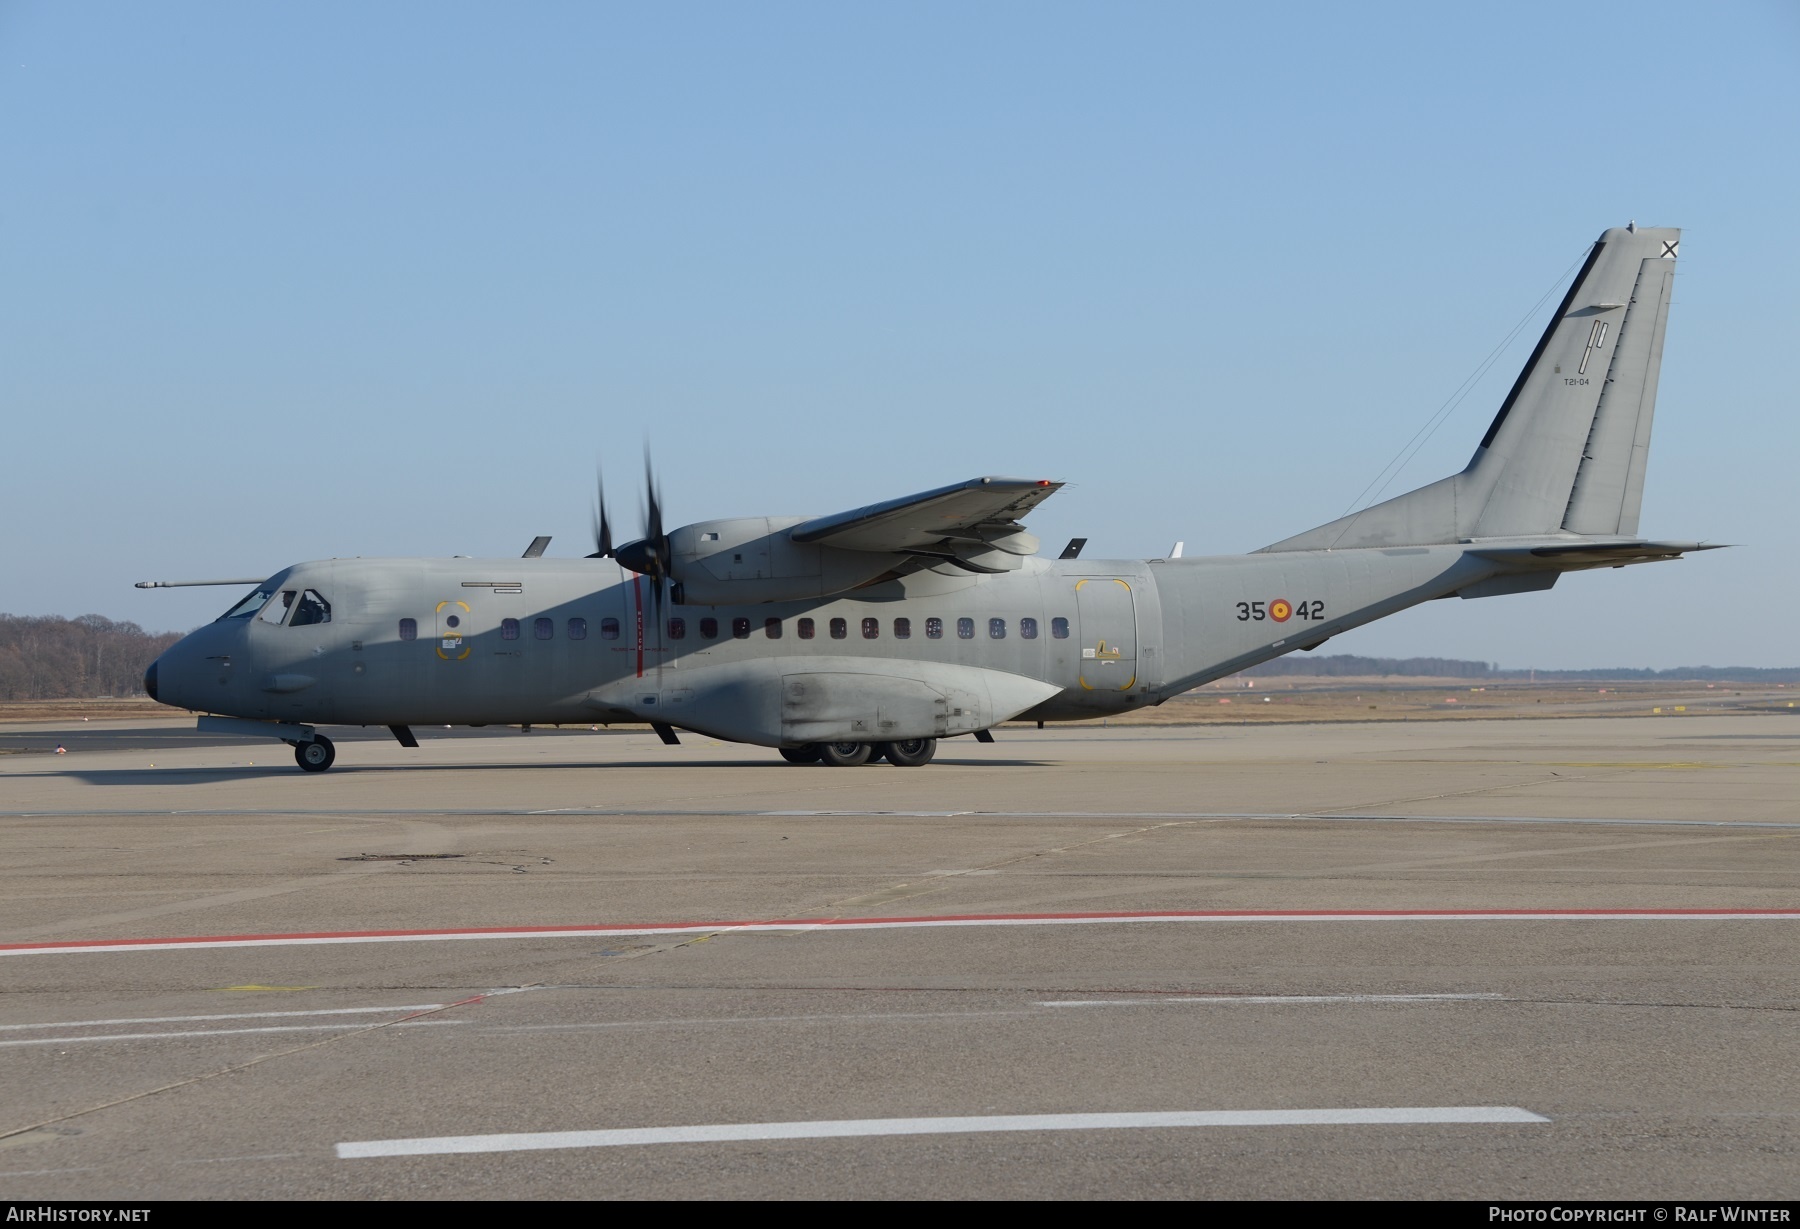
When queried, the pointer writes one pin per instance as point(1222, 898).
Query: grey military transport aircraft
point(871, 634)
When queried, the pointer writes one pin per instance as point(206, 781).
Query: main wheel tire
point(807, 754)
point(911, 752)
point(844, 755)
point(315, 756)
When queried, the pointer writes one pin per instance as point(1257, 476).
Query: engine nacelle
point(752, 559)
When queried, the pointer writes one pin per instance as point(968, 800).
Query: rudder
point(1567, 451)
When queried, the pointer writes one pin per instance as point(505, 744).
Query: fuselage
point(468, 641)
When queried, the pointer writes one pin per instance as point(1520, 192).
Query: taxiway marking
point(239, 1015)
point(347, 1026)
point(857, 1128)
point(1305, 1000)
point(649, 813)
point(801, 925)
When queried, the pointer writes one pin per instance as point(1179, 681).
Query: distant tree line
point(1340, 664)
point(1348, 664)
point(52, 658)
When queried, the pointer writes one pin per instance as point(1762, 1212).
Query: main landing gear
point(904, 753)
point(317, 755)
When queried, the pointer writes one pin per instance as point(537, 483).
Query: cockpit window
point(312, 609)
point(276, 609)
point(249, 606)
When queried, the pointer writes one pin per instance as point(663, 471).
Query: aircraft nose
point(150, 681)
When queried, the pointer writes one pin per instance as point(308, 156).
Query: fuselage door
point(1108, 617)
point(453, 631)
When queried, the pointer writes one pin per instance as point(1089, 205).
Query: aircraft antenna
point(1388, 473)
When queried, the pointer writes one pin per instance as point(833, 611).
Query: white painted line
point(827, 925)
point(347, 1026)
point(233, 1160)
point(642, 813)
point(893, 814)
point(854, 1128)
point(242, 1015)
point(1303, 999)
point(834, 1017)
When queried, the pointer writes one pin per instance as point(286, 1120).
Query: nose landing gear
point(315, 756)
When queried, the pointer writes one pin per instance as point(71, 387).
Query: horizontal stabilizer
point(1589, 553)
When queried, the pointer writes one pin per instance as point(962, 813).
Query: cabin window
point(996, 629)
point(677, 629)
point(871, 628)
point(543, 629)
point(804, 629)
point(276, 610)
point(839, 629)
point(609, 629)
point(409, 629)
point(902, 629)
point(509, 629)
point(772, 628)
point(740, 628)
point(709, 628)
point(1059, 628)
point(1028, 628)
point(249, 606)
point(934, 628)
point(311, 609)
point(965, 629)
point(577, 629)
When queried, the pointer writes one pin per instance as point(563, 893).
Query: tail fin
point(1566, 452)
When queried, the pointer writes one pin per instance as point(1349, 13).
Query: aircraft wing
point(981, 510)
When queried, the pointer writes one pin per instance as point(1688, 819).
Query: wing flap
point(982, 510)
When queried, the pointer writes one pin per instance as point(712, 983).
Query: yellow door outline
point(451, 640)
point(1101, 652)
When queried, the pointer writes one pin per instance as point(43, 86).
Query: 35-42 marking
point(1280, 610)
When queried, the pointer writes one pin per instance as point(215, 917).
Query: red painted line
point(432, 1011)
point(305, 938)
point(637, 594)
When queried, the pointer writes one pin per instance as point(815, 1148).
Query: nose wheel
point(315, 756)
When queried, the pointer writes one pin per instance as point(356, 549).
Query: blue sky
point(337, 279)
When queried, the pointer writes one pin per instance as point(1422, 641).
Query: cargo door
point(1108, 614)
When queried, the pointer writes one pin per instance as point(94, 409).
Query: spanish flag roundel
point(1279, 610)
